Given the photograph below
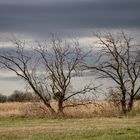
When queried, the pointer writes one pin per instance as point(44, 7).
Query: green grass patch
point(119, 134)
point(34, 128)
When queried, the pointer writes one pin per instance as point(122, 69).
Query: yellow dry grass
point(12, 109)
point(97, 108)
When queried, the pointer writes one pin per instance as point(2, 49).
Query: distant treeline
point(18, 96)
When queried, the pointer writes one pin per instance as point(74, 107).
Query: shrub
point(3, 98)
point(19, 96)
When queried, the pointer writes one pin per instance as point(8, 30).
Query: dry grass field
point(95, 109)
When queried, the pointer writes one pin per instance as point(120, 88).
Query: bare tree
point(118, 60)
point(63, 62)
point(23, 63)
point(48, 68)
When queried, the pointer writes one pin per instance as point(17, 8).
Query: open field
point(19, 121)
point(33, 128)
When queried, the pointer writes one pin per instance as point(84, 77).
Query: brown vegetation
point(92, 109)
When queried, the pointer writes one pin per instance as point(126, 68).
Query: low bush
point(3, 98)
point(19, 96)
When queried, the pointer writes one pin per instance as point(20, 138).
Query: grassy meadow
point(33, 128)
point(18, 122)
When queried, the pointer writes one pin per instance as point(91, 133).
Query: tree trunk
point(130, 105)
point(123, 104)
point(60, 108)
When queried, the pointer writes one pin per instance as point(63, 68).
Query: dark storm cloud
point(39, 17)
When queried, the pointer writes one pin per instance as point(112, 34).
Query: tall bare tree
point(63, 62)
point(48, 68)
point(118, 60)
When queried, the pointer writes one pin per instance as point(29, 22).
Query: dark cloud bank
point(40, 17)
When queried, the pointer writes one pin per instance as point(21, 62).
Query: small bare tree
point(118, 60)
point(48, 68)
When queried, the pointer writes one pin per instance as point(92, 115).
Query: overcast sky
point(69, 18)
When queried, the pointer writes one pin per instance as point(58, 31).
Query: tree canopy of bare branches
point(48, 68)
point(118, 60)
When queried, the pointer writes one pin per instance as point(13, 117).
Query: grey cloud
point(68, 17)
point(33, 2)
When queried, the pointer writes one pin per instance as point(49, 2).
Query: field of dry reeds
point(94, 109)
